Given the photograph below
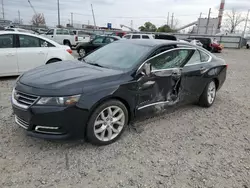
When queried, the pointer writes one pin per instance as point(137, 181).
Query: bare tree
point(233, 19)
point(38, 19)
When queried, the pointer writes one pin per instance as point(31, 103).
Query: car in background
point(20, 52)
point(98, 42)
point(194, 42)
point(62, 36)
point(119, 33)
point(138, 36)
point(209, 43)
point(20, 30)
point(165, 37)
point(82, 36)
point(41, 31)
point(98, 97)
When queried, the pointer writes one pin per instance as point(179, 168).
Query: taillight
point(76, 38)
point(70, 51)
point(226, 65)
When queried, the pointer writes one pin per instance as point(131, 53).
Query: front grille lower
point(25, 99)
point(22, 122)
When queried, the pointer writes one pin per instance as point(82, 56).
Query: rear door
point(31, 52)
point(8, 55)
point(161, 88)
point(194, 74)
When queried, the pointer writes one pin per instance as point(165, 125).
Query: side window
point(145, 36)
point(59, 31)
point(127, 36)
point(204, 57)
point(65, 32)
point(6, 41)
point(196, 58)
point(44, 43)
point(109, 40)
point(98, 40)
point(26, 41)
point(136, 36)
point(50, 32)
point(171, 59)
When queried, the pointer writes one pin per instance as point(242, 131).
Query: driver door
point(161, 87)
point(97, 43)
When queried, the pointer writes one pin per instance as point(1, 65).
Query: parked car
point(209, 44)
point(41, 31)
point(165, 37)
point(82, 36)
point(98, 97)
point(20, 30)
point(194, 42)
point(62, 36)
point(20, 52)
point(119, 33)
point(100, 41)
point(138, 36)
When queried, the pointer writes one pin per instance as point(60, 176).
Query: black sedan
point(100, 41)
point(98, 97)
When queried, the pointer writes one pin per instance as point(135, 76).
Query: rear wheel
point(67, 43)
point(107, 123)
point(209, 94)
point(247, 46)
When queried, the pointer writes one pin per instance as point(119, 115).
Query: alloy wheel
point(211, 92)
point(82, 52)
point(109, 123)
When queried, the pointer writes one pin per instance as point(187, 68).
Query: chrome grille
point(25, 99)
point(21, 122)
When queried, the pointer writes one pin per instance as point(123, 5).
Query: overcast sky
point(119, 11)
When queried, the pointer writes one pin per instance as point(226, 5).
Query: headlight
point(59, 101)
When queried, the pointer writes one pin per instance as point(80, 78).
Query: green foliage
point(148, 27)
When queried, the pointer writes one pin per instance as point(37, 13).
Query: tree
point(148, 27)
point(38, 19)
point(233, 19)
point(165, 28)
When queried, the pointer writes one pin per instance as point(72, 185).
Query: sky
point(119, 11)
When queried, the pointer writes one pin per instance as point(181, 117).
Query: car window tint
point(98, 40)
point(109, 40)
point(9, 29)
point(145, 36)
point(50, 32)
point(28, 41)
point(6, 41)
point(172, 59)
point(59, 31)
point(204, 57)
point(127, 36)
point(196, 58)
point(136, 36)
point(44, 43)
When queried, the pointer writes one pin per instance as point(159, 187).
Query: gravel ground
point(191, 147)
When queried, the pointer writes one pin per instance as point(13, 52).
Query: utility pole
point(72, 19)
point(131, 25)
point(172, 21)
point(93, 15)
point(244, 31)
point(199, 23)
point(19, 17)
point(58, 9)
point(3, 9)
point(208, 20)
point(168, 19)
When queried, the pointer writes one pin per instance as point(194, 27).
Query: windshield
point(118, 55)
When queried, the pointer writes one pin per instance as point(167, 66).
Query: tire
point(53, 61)
point(81, 52)
point(247, 46)
point(209, 94)
point(67, 43)
point(98, 130)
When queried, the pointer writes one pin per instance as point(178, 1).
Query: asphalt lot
point(191, 147)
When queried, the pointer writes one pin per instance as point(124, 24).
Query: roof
point(151, 42)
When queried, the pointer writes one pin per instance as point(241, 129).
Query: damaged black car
point(97, 97)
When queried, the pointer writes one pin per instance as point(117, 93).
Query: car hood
point(68, 77)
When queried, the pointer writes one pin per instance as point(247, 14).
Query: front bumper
point(50, 122)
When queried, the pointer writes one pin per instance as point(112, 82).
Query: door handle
point(203, 69)
point(41, 52)
point(52, 36)
point(10, 54)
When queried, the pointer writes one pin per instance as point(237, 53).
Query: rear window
point(145, 36)
point(136, 36)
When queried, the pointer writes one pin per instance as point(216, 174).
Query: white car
point(138, 36)
point(83, 37)
point(20, 52)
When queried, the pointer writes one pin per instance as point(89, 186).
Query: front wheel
point(107, 123)
point(81, 52)
point(209, 94)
